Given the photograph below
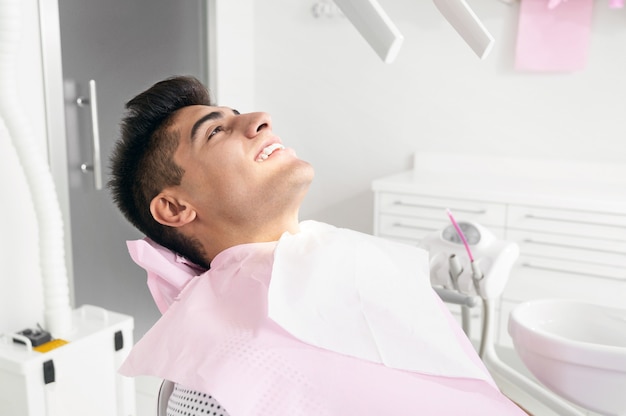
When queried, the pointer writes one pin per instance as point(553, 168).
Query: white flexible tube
point(57, 306)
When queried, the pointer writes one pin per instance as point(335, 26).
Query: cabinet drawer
point(537, 278)
point(403, 228)
point(568, 222)
point(571, 248)
point(434, 208)
point(411, 228)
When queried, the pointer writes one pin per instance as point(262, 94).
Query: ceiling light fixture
point(467, 24)
point(374, 25)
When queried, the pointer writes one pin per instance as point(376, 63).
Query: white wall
point(357, 119)
point(21, 298)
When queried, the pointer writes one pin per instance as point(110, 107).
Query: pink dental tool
point(461, 235)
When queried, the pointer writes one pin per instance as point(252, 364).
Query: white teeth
point(268, 151)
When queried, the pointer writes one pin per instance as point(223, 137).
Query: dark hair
point(142, 164)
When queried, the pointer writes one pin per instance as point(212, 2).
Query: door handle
point(96, 165)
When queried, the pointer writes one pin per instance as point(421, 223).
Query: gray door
point(125, 46)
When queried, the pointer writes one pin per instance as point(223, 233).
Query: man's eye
point(215, 131)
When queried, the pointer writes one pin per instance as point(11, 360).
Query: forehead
point(189, 115)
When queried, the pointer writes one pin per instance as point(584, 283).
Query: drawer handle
point(544, 218)
point(464, 210)
point(557, 269)
point(546, 243)
point(413, 227)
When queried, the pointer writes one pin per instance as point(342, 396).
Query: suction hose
point(57, 308)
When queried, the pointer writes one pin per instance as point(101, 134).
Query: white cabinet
point(78, 378)
point(406, 216)
point(571, 229)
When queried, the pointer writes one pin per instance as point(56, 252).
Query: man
point(291, 318)
point(199, 178)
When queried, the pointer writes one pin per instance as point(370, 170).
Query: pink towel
point(553, 36)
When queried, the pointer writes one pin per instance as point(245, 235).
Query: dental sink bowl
point(576, 349)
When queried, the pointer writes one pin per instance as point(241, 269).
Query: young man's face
point(236, 168)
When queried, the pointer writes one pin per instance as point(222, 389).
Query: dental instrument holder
point(452, 270)
point(487, 275)
point(458, 280)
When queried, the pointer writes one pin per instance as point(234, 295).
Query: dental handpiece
point(455, 270)
point(477, 276)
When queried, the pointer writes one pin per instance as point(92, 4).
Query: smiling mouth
point(268, 151)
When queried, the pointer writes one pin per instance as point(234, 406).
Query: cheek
point(224, 177)
point(228, 184)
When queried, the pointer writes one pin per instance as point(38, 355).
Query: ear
point(169, 210)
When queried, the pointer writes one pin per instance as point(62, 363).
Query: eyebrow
point(207, 117)
point(214, 115)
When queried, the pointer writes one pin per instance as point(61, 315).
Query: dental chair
point(165, 391)
point(457, 277)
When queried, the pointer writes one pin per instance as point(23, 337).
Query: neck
point(219, 237)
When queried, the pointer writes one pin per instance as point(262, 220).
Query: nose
point(255, 123)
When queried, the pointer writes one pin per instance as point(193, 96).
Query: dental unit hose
point(455, 270)
point(57, 307)
point(477, 276)
point(461, 235)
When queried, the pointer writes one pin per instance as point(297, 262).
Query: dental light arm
point(466, 23)
point(374, 25)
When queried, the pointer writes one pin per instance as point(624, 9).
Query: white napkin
point(365, 297)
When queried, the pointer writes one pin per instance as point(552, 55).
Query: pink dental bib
point(217, 337)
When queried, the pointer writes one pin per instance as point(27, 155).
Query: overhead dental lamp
point(467, 24)
point(374, 25)
point(371, 21)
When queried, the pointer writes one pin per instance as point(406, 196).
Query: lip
point(275, 140)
